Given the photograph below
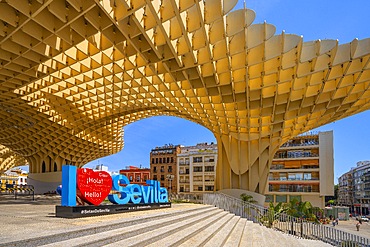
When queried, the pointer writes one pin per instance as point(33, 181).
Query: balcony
point(282, 167)
point(184, 172)
point(292, 145)
point(293, 179)
point(307, 190)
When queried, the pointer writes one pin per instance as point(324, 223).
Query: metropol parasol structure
point(74, 72)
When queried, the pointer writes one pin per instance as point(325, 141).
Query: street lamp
point(170, 177)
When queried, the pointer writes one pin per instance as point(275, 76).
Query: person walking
point(358, 226)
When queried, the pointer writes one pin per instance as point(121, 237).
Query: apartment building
point(197, 168)
point(354, 188)
point(303, 168)
point(163, 166)
point(345, 190)
point(136, 175)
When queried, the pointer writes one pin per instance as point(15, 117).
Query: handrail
point(283, 222)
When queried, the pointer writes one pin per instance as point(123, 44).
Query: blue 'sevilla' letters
point(146, 192)
point(135, 192)
point(124, 192)
point(153, 192)
point(163, 195)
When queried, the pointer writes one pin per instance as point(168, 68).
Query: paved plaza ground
point(23, 218)
point(350, 226)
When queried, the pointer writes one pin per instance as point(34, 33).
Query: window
point(291, 176)
point(162, 177)
point(197, 169)
point(291, 198)
point(197, 159)
point(155, 177)
point(156, 160)
point(299, 176)
point(281, 198)
point(138, 178)
point(209, 159)
point(269, 198)
point(162, 168)
point(200, 188)
point(160, 160)
point(171, 159)
point(307, 176)
point(169, 168)
point(209, 188)
point(168, 159)
point(283, 188)
point(154, 169)
point(152, 160)
point(130, 178)
point(209, 168)
point(282, 176)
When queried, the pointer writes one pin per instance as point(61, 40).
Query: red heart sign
point(93, 187)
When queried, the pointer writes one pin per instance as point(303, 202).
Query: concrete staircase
point(201, 226)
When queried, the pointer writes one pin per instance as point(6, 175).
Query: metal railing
point(285, 223)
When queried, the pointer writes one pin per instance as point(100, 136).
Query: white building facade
point(197, 168)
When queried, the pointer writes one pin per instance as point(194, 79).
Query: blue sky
point(314, 19)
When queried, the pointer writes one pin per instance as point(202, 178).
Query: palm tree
point(299, 209)
point(247, 198)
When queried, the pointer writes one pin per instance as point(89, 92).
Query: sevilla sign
point(93, 187)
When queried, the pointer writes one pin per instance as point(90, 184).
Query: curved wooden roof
point(73, 73)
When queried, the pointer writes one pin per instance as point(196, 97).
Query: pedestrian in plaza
point(336, 221)
point(358, 226)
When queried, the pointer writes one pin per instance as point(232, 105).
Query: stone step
point(246, 238)
point(236, 234)
point(204, 236)
point(182, 233)
point(219, 238)
point(130, 228)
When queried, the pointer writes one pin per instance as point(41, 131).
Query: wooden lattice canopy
point(74, 72)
